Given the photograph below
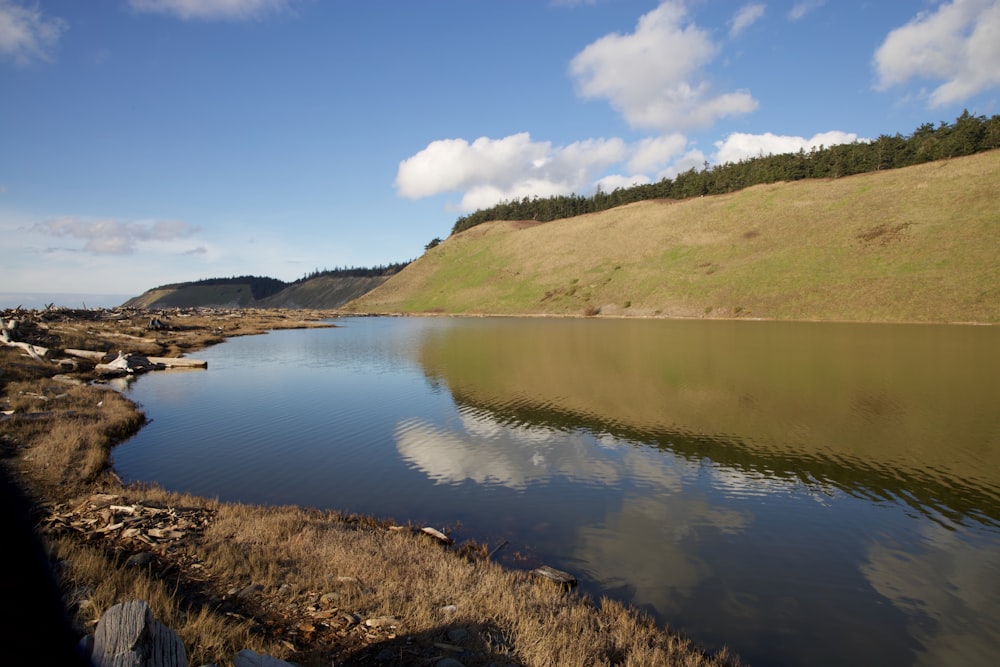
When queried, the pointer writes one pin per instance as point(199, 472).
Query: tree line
point(967, 135)
point(262, 287)
point(355, 272)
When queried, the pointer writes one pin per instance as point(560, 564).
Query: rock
point(458, 635)
point(448, 662)
point(247, 591)
point(386, 656)
point(382, 622)
point(248, 658)
point(140, 559)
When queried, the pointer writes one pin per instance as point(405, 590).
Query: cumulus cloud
point(745, 17)
point(612, 182)
point(26, 34)
point(211, 10)
point(958, 43)
point(654, 153)
point(653, 76)
point(114, 237)
point(490, 170)
point(740, 146)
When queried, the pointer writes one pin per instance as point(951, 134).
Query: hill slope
point(914, 244)
point(323, 292)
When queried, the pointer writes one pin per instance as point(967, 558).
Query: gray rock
point(249, 590)
point(386, 655)
point(458, 635)
point(248, 658)
point(140, 559)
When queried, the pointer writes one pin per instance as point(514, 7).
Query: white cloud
point(211, 10)
point(693, 159)
point(653, 76)
point(114, 237)
point(800, 9)
point(745, 17)
point(958, 43)
point(654, 153)
point(614, 181)
point(27, 35)
point(490, 170)
point(739, 146)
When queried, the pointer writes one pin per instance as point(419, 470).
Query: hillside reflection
point(885, 413)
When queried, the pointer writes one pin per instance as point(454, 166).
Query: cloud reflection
point(949, 590)
point(650, 543)
point(486, 451)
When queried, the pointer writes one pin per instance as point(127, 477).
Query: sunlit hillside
point(914, 244)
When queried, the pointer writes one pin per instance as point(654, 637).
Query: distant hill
point(326, 290)
point(920, 243)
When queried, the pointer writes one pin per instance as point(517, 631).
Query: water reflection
point(779, 481)
point(948, 586)
point(806, 494)
point(486, 451)
point(894, 414)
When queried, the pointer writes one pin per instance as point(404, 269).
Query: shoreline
point(296, 583)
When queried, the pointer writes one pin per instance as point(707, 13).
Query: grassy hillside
point(192, 296)
point(323, 292)
point(914, 244)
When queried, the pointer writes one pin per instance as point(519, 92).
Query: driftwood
point(436, 534)
point(128, 636)
point(92, 355)
point(7, 330)
point(558, 576)
point(178, 362)
point(123, 364)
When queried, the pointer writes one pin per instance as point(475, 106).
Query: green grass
point(915, 244)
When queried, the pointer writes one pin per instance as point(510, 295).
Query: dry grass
point(71, 430)
point(293, 583)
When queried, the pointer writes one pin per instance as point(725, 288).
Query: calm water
point(821, 494)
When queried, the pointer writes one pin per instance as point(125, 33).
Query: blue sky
point(145, 142)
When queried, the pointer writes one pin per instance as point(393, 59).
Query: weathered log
point(34, 351)
point(127, 364)
point(437, 535)
point(92, 355)
point(558, 576)
point(128, 636)
point(178, 362)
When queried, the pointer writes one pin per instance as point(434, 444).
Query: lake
point(805, 493)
